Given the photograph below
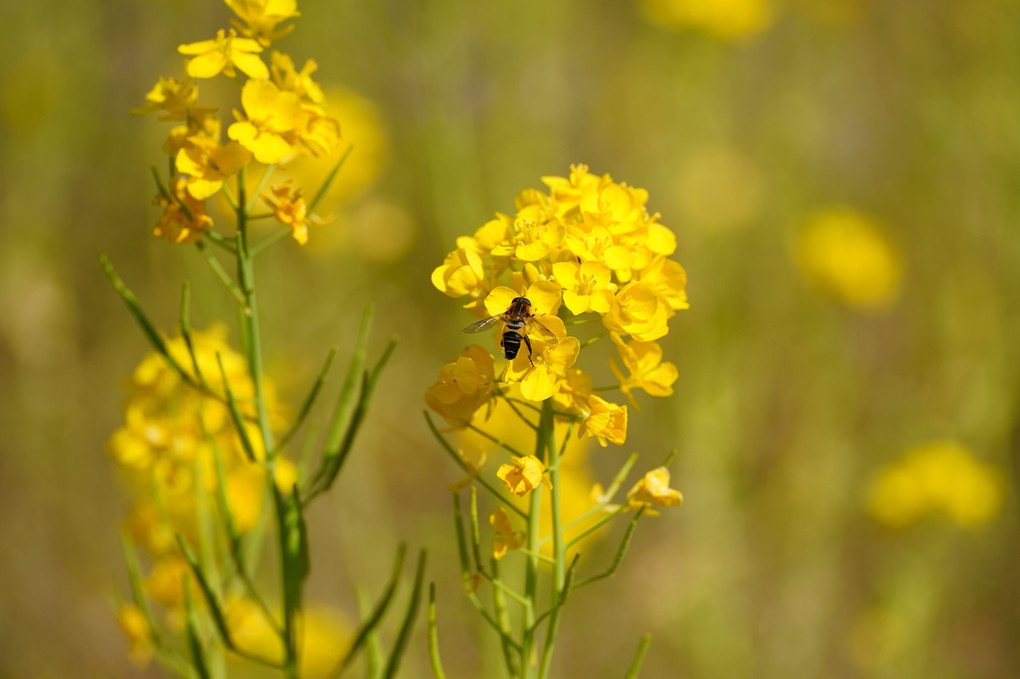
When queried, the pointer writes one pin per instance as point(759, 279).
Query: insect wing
point(543, 331)
point(484, 324)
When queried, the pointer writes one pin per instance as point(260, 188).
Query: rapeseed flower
point(523, 475)
point(222, 54)
point(590, 246)
point(261, 17)
point(184, 219)
point(729, 20)
point(506, 537)
point(136, 630)
point(846, 255)
point(653, 489)
point(940, 478)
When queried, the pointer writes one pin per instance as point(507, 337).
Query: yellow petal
point(498, 300)
point(207, 65)
point(250, 64)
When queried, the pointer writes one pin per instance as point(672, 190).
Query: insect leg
point(528, 342)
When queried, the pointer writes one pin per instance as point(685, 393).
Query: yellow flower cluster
point(167, 450)
point(282, 117)
point(937, 478)
point(724, 19)
point(846, 254)
point(587, 246)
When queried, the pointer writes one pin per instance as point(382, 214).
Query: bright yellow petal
point(249, 64)
point(207, 65)
point(498, 300)
point(545, 297)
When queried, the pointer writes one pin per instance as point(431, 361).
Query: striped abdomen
point(512, 340)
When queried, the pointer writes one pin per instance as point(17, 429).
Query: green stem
point(559, 548)
point(253, 345)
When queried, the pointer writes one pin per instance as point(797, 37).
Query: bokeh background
point(812, 367)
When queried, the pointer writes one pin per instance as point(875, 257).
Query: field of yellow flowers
point(765, 399)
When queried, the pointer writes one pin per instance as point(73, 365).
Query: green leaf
point(306, 407)
point(437, 663)
point(194, 643)
point(618, 559)
point(321, 193)
point(235, 413)
point(294, 561)
point(210, 598)
point(635, 667)
point(143, 321)
point(376, 616)
point(408, 624)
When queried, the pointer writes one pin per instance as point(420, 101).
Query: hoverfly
point(518, 320)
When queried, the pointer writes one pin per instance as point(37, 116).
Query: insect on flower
point(518, 321)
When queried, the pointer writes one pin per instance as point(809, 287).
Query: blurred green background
point(742, 118)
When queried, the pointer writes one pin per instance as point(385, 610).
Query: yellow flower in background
point(184, 219)
point(324, 635)
point(523, 475)
point(604, 420)
point(207, 163)
point(847, 255)
point(177, 99)
point(506, 537)
point(136, 630)
point(165, 582)
point(464, 385)
point(653, 489)
point(646, 369)
point(222, 54)
point(723, 19)
point(364, 129)
point(937, 478)
point(261, 18)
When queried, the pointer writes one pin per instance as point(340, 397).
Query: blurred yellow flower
point(724, 19)
point(165, 582)
point(653, 489)
point(222, 54)
point(364, 129)
point(177, 99)
point(136, 629)
point(289, 79)
point(847, 255)
point(604, 420)
point(936, 478)
point(184, 219)
point(324, 635)
point(523, 475)
point(463, 386)
point(261, 18)
point(207, 163)
point(506, 537)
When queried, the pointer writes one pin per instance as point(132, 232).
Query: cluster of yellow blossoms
point(282, 117)
point(589, 246)
point(939, 478)
point(168, 446)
